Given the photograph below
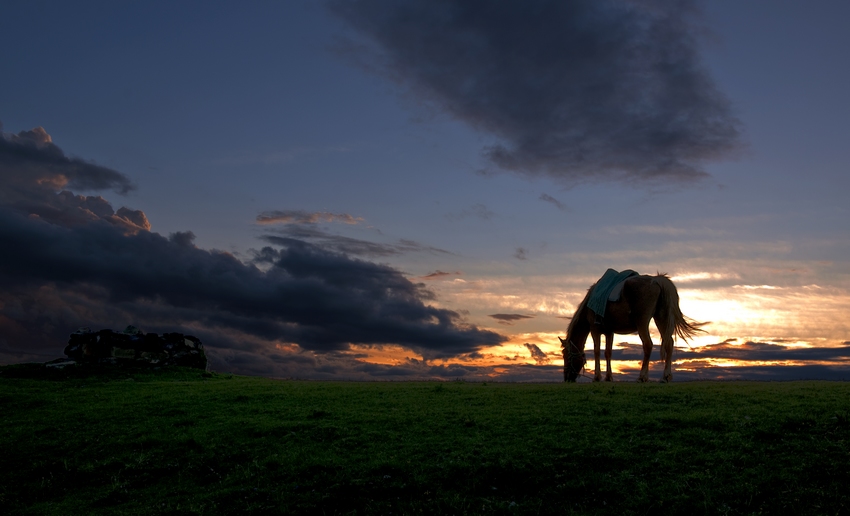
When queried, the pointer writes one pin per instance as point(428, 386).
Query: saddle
point(608, 288)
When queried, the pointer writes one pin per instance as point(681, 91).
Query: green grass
point(183, 442)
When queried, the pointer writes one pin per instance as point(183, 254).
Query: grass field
point(185, 442)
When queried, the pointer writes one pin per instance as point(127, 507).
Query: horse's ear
point(563, 342)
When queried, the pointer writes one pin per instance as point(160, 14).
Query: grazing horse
point(642, 298)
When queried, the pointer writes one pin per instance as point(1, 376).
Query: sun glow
point(688, 277)
point(740, 316)
point(770, 310)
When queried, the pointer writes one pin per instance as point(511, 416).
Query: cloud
point(652, 230)
point(346, 245)
point(521, 253)
point(31, 164)
point(335, 366)
point(302, 225)
point(551, 200)
point(82, 267)
point(304, 217)
point(510, 318)
point(479, 211)
point(767, 351)
point(34, 173)
point(688, 277)
point(438, 274)
point(278, 156)
point(746, 361)
point(755, 352)
point(838, 372)
point(537, 354)
point(574, 90)
point(341, 244)
point(627, 356)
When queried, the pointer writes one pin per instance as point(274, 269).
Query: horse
point(642, 298)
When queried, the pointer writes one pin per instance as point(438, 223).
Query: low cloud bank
point(752, 361)
point(72, 260)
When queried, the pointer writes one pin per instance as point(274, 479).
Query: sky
point(382, 190)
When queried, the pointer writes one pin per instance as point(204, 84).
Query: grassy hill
point(187, 442)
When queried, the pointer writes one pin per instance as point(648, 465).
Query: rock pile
point(134, 347)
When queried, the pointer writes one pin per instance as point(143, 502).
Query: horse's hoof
point(667, 379)
point(596, 378)
point(609, 379)
point(642, 380)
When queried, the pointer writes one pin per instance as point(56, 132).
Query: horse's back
point(636, 306)
point(643, 288)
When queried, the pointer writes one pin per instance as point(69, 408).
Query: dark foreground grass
point(184, 442)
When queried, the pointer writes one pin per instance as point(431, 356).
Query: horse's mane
point(579, 311)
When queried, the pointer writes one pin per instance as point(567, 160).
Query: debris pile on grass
point(132, 347)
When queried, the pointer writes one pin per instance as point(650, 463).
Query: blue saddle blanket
point(603, 288)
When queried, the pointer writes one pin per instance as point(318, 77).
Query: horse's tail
point(677, 323)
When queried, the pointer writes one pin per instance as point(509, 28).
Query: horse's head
point(574, 359)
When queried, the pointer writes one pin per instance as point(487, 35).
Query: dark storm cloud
point(85, 269)
point(575, 89)
point(316, 298)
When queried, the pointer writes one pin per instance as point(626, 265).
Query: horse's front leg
point(647, 352)
point(596, 345)
point(609, 344)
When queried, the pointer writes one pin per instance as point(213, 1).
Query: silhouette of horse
point(643, 298)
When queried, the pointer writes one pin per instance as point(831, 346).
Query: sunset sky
point(384, 190)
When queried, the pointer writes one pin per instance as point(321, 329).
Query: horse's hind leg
point(666, 347)
point(667, 351)
point(647, 352)
point(609, 343)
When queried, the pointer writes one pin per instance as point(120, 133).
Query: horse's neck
point(580, 331)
